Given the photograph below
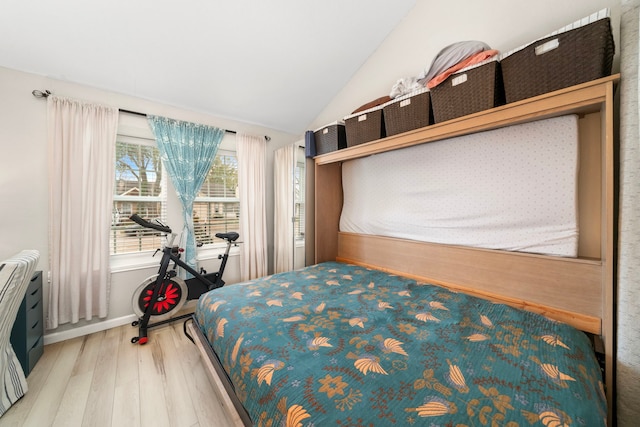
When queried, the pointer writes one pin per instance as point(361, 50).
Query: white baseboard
point(89, 329)
point(81, 331)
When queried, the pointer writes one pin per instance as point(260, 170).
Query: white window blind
point(140, 187)
point(299, 186)
point(216, 209)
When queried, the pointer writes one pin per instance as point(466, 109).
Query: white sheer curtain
point(81, 140)
point(251, 152)
point(283, 241)
point(628, 339)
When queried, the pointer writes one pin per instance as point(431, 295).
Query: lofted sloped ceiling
point(274, 63)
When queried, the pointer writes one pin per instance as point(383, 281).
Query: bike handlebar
point(143, 222)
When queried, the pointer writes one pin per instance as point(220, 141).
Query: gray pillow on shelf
point(450, 56)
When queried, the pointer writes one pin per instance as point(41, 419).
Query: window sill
point(134, 261)
point(144, 260)
point(212, 251)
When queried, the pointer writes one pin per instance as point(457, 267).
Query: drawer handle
point(35, 291)
point(35, 324)
point(36, 344)
point(35, 305)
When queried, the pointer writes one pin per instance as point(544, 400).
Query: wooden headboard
point(578, 291)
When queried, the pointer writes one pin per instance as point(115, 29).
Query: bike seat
point(232, 236)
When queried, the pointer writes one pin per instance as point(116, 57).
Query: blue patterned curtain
point(187, 151)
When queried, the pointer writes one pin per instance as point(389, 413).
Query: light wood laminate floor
point(104, 380)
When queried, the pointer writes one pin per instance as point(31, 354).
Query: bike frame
point(196, 286)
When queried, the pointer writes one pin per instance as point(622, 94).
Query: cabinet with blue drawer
point(28, 329)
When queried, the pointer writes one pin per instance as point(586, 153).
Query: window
point(139, 188)
point(216, 209)
point(298, 213)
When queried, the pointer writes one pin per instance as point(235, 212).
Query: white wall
point(432, 25)
point(24, 181)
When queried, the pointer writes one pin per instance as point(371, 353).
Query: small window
point(298, 214)
point(139, 188)
point(216, 209)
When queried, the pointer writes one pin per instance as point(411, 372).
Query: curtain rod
point(46, 93)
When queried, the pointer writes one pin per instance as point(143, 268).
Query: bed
point(522, 317)
point(338, 344)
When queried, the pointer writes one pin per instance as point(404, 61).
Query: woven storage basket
point(365, 126)
point(408, 112)
point(471, 90)
point(330, 138)
point(562, 60)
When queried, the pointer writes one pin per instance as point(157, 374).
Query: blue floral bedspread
point(341, 345)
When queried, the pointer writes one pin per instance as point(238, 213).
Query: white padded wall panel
point(513, 188)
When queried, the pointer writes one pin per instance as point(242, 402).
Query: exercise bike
point(162, 295)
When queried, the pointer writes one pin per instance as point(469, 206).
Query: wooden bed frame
point(578, 291)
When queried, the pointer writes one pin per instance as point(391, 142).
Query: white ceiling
point(274, 63)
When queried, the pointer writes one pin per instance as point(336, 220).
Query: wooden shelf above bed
point(593, 101)
point(584, 98)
